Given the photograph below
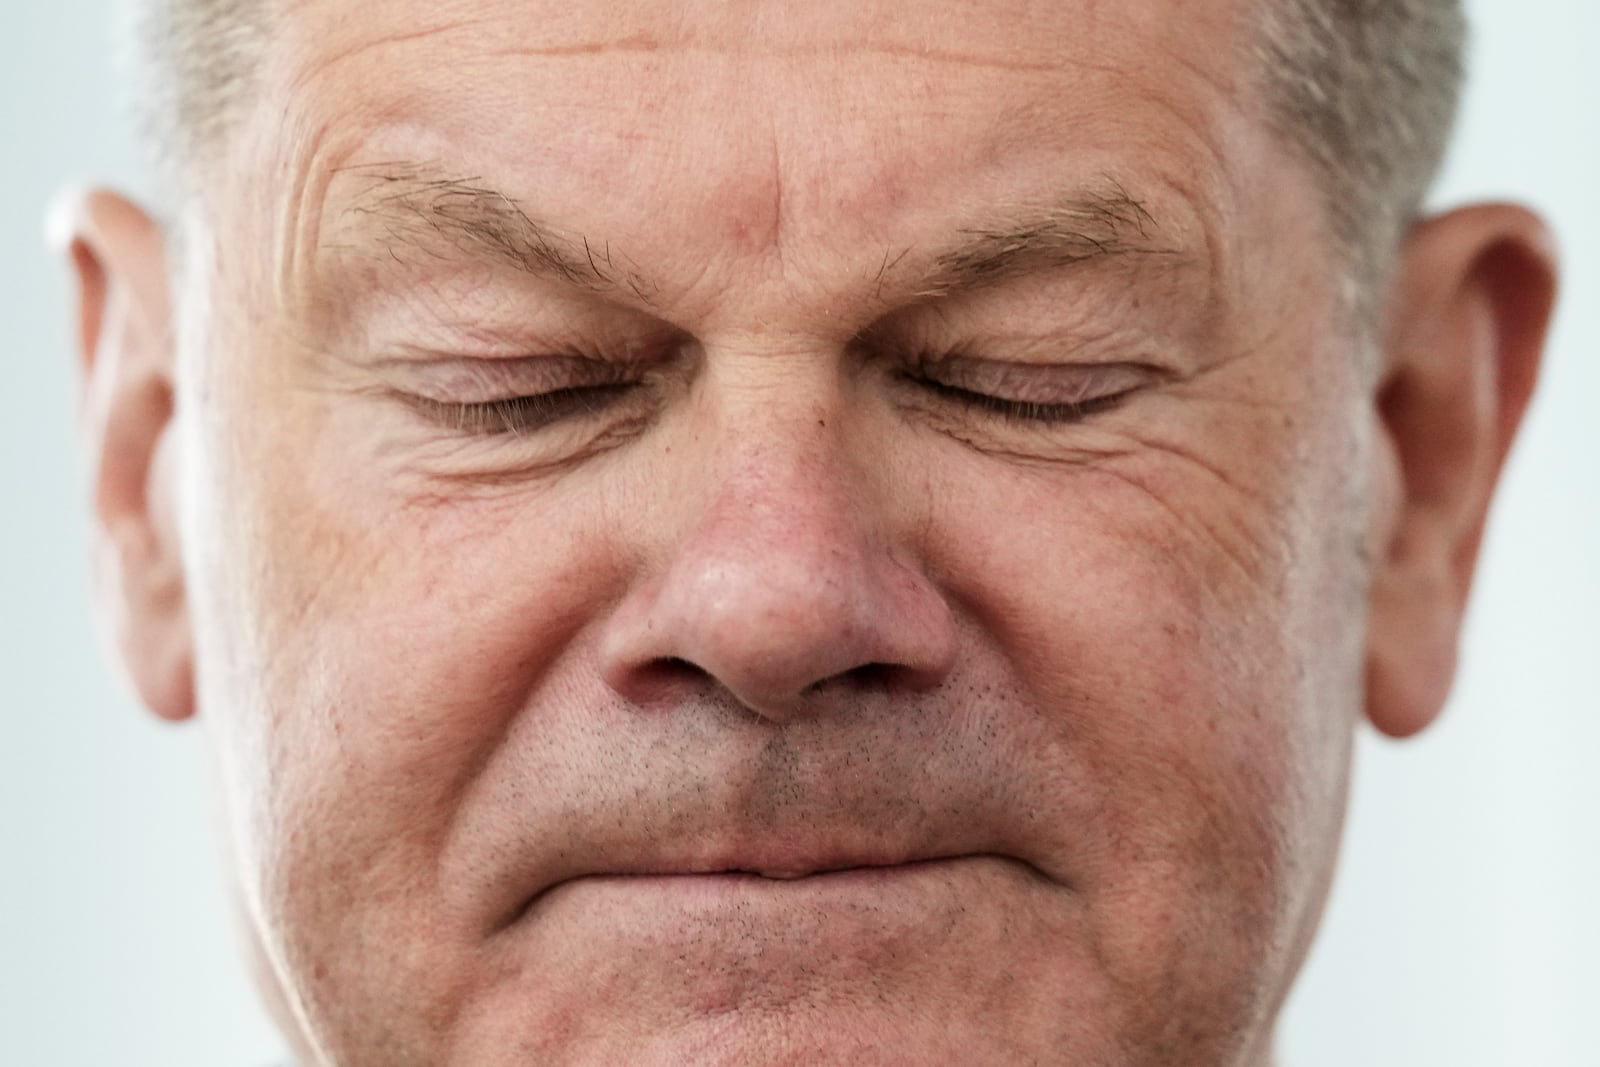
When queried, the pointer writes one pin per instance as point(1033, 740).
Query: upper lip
point(781, 867)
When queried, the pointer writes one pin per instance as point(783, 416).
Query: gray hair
point(1364, 90)
point(193, 63)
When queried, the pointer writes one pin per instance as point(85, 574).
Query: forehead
point(763, 128)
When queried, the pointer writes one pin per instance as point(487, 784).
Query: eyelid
point(514, 416)
point(1066, 383)
point(1031, 394)
point(479, 380)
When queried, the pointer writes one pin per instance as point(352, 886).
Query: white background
point(1463, 929)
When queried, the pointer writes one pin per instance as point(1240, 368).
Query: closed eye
point(519, 415)
point(1029, 411)
point(1035, 392)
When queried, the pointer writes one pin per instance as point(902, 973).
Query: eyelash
point(1023, 411)
point(516, 416)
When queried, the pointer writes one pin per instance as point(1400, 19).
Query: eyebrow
point(1103, 223)
point(418, 209)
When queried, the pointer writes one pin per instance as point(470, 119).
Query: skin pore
point(769, 533)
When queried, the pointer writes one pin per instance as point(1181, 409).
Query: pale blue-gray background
point(1463, 929)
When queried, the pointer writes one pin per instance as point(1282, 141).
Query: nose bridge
point(778, 478)
point(784, 481)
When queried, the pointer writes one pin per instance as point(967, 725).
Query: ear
point(1464, 331)
point(127, 358)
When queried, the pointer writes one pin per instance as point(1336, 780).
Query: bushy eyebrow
point(1100, 223)
point(414, 208)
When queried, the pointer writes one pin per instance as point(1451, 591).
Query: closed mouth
point(748, 875)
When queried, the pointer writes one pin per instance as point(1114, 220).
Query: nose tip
point(775, 625)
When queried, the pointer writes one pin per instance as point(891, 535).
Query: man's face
point(751, 533)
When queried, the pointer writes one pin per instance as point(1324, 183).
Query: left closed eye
point(1026, 410)
point(1031, 393)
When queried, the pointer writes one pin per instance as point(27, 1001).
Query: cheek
point(364, 649)
point(1187, 621)
point(1150, 654)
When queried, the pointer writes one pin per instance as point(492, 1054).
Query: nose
point(786, 584)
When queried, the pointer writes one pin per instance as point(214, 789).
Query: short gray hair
point(1367, 92)
point(1364, 90)
point(193, 63)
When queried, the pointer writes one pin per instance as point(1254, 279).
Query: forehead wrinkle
point(299, 223)
point(750, 36)
point(641, 43)
point(360, 48)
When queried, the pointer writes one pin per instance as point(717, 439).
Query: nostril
point(667, 678)
point(868, 677)
point(873, 675)
point(675, 666)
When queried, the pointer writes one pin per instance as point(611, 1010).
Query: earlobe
point(1462, 341)
point(127, 362)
